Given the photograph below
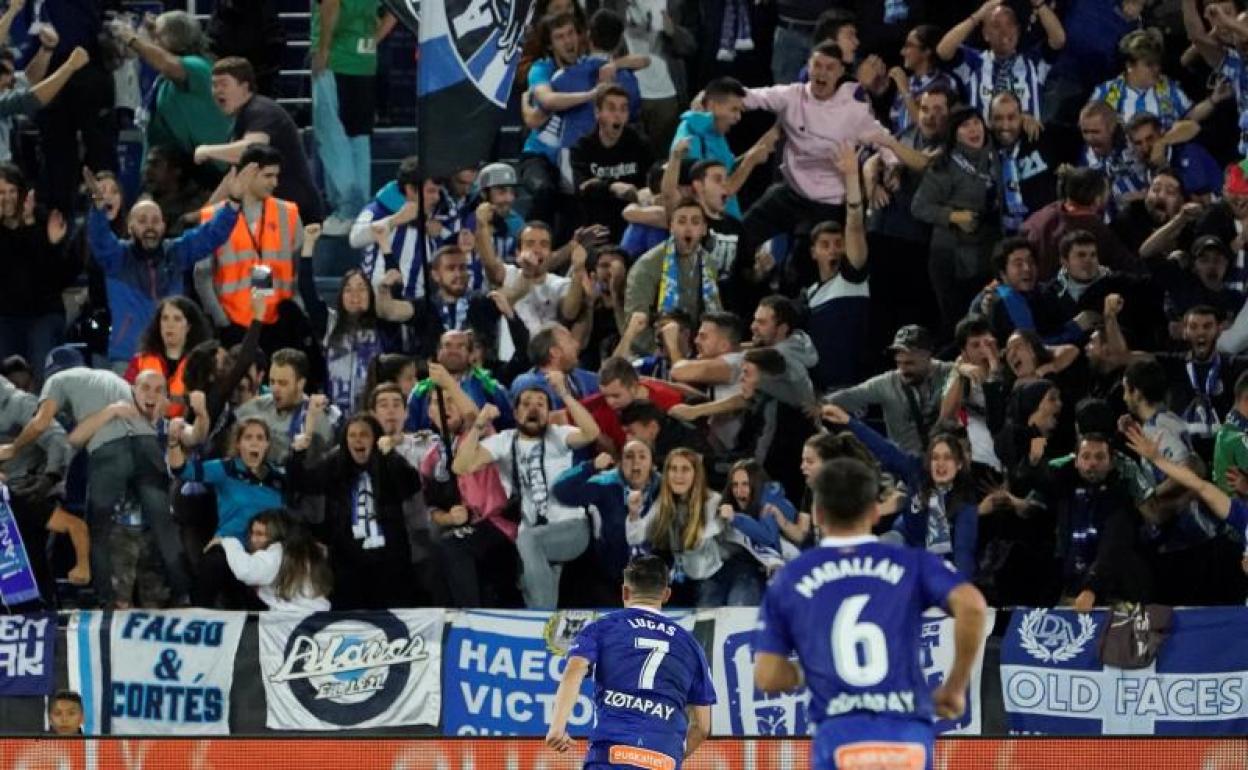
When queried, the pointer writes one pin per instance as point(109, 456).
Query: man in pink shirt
point(818, 118)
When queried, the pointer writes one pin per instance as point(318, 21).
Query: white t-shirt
point(540, 306)
point(725, 427)
point(983, 448)
point(641, 33)
point(535, 482)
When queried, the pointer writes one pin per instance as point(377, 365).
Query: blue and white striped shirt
point(898, 116)
point(1126, 174)
point(983, 76)
point(1166, 100)
point(1233, 70)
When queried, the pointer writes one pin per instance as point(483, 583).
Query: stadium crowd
point(997, 251)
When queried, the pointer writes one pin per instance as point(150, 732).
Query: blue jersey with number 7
point(852, 611)
point(646, 670)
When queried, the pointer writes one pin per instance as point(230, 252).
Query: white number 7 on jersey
point(849, 636)
point(658, 651)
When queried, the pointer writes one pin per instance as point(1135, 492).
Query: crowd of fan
point(617, 345)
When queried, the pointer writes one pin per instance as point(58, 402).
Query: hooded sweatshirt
point(705, 143)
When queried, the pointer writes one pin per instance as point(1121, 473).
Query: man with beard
point(1100, 558)
point(1202, 380)
point(677, 273)
point(1196, 167)
point(1028, 182)
point(1105, 149)
point(455, 358)
point(909, 395)
point(285, 407)
point(607, 489)
point(123, 429)
point(530, 458)
point(451, 308)
point(140, 271)
point(1141, 219)
point(555, 353)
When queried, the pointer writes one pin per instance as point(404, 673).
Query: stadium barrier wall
point(436, 673)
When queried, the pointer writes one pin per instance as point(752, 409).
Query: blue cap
point(61, 358)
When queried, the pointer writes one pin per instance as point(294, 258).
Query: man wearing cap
point(1228, 219)
point(498, 188)
point(122, 427)
point(909, 395)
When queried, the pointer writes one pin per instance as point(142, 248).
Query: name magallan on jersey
point(852, 610)
point(646, 670)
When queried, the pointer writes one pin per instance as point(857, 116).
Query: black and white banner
point(330, 671)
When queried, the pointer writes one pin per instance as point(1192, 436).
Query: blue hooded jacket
point(607, 492)
point(706, 143)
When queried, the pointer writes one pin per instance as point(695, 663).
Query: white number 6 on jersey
point(849, 637)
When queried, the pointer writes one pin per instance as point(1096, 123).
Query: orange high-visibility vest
point(143, 362)
point(271, 243)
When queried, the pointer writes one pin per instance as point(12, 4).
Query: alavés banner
point(742, 710)
point(154, 673)
point(340, 670)
point(1053, 681)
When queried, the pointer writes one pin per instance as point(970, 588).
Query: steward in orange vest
point(270, 241)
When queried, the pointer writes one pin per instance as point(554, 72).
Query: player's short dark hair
point(768, 360)
point(647, 575)
point(238, 68)
point(722, 88)
point(844, 490)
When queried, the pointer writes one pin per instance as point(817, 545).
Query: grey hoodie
point(794, 386)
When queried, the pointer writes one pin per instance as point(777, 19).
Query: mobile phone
point(262, 278)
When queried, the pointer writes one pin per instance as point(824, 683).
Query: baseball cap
point(61, 358)
point(912, 337)
point(496, 175)
point(1206, 242)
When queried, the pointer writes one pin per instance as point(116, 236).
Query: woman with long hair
point(245, 483)
point(816, 451)
point(288, 568)
point(751, 548)
point(178, 326)
point(941, 509)
point(960, 197)
point(364, 485)
point(681, 525)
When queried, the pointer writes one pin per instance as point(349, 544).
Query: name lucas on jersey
point(856, 566)
point(623, 700)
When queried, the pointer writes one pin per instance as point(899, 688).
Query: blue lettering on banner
point(502, 681)
point(1052, 680)
point(172, 629)
point(27, 646)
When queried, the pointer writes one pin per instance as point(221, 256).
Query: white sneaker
point(336, 225)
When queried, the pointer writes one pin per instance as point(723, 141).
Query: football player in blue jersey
point(851, 609)
point(652, 684)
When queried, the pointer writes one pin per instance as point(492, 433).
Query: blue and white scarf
point(1015, 210)
point(735, 33)
point(17, 576)
point(1200, 415)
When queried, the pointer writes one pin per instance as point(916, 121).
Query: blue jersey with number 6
point(852, 611)
point(646, 670)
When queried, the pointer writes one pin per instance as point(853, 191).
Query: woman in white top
point(286, 566)
point(681, 525)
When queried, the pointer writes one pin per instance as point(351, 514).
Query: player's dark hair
point(647, 576)
point(844, 490)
